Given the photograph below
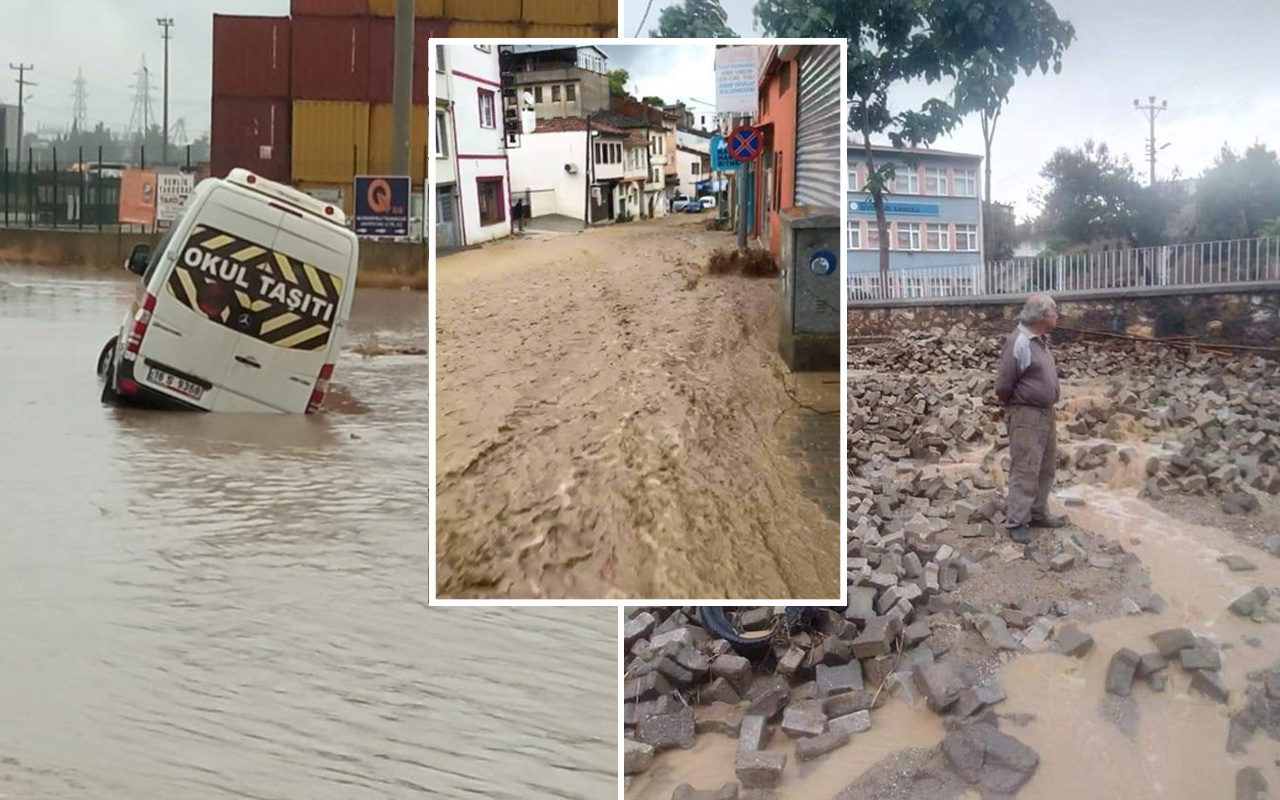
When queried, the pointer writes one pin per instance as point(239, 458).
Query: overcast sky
point(1215, 62)
point(672, 72)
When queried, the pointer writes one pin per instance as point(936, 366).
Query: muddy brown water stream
point(219, 606)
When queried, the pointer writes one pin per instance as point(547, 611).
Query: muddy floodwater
point(613, 421)
point(235, 606)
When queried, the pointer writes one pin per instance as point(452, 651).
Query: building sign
point(172, 190)
point(895, 207)
point(138, 197)
point(720, 158)
point(382, 205)
point(736, 75)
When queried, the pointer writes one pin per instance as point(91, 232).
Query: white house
point(552, 166)
point(635, 173)
point(448, 231)
point(693, 160)
point(479, 157)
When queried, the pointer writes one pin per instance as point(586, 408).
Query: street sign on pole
point(737, 90)
point(172, 189)
point(745, 144)
point(382, 205)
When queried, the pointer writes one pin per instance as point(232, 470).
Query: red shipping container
point(250, 56)
point(382, 60)
point(330, 58)
point(252, 133)
point(328, 8)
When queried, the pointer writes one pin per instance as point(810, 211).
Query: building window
point(696, 166)
point(854, 233)
point(937, 236)
point(873, 236)
point(967, 238)
point(908, 235)
point(913, 287)
point(966, 183)
point(555, 93)
point(853, 178)
point(486, 109)
point(935, 181)
point(442, 135)
point(492, 203)
point(571, 93)
point(537, 94)
point(439, 58)
point(906, 180)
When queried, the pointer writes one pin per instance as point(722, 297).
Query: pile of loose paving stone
point(933, 396)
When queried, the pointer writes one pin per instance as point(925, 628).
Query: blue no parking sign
point(746, 143)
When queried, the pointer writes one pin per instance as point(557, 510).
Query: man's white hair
point(1036, 308)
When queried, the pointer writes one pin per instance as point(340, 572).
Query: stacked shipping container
point(306, 100)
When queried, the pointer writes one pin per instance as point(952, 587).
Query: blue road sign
point(720, 159)
point(746, 143)
point(382, 205)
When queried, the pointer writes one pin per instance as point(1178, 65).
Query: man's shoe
point(1048, 521)
point(1021, 534)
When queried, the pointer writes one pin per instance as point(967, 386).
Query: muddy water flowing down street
point(230, 606)
point(613, 421)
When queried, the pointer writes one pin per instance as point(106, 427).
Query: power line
point(79, 111)
point(166, 23)
point(1152, 111)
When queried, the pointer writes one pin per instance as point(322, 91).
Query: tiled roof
point(568, 124)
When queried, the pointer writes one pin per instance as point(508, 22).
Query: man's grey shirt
point(1027, 375)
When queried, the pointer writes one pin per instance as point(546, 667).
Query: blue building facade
point(934, 211)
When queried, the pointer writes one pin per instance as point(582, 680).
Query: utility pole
point(23, 83)
point(80, 113)
point(402, 88)
point(166, 23)
point(1152, 110)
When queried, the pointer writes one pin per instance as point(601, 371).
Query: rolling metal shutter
point(818, 130)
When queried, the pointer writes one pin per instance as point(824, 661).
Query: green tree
point(979, 44)
point(653, 100)
point(1238, 195)
point(618, 81)
point(1089, 195)
point(1271, 229)
point(694, 19)
point(999, 231)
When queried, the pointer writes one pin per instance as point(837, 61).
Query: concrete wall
point(778, 109)
point(1248, 317)
point(381, 263)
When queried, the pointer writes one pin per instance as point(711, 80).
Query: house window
point(696, 166)
point(853, 179)
point(492, 203)
point(442, 135)
point(439, 58)
point(571, 93)
point(537, 94)
point(555, 93)
point(906, 180)
point(966, 183)
point(935, 179)
point(873, 236)
point(486, 109)
point(967, 238)
point(908, 235)
point(854, 234)
point(937, 236)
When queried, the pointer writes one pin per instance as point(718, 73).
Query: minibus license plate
point(180, 385)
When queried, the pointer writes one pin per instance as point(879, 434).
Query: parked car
point(707, 202)
point(243, 304)
point(681, 202)
point(693, 207)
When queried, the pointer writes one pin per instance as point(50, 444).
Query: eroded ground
point(615, 422)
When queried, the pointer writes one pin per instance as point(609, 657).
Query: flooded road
point(612, 421)
point(218, 606)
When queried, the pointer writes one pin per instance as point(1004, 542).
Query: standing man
point(1027, 388)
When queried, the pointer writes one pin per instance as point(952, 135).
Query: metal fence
point(62, 188)
point(1196, 264)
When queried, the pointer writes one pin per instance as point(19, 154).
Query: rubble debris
point(1074, 642)
point(1251, 785)
point(1238, 563)
point(1200, 658)
point(1121, 671)
point(995, 761)
point(1248, 604)
point(1210, 684)
point(686, 792)
point(754, 733)
point(812, 747)
point(636, 757)
point(668, 731)
point(759, 769)
point(1169, 642)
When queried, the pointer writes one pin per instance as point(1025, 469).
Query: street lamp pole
point(1151, 110)
point(166, 23)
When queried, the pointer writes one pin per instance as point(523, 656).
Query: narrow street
point(615, 422)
